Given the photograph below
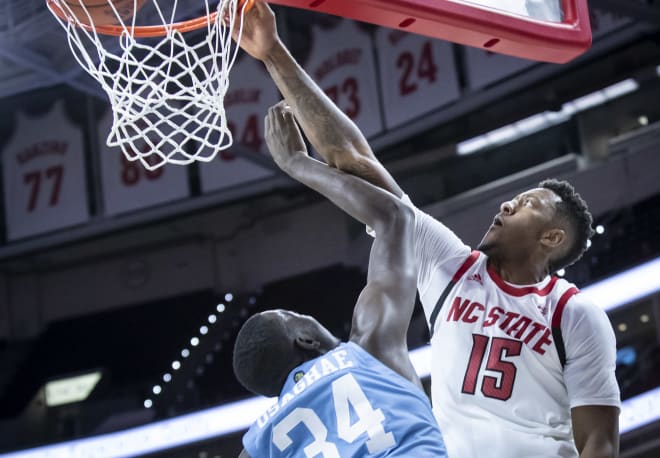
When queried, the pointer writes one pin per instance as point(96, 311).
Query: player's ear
point(553, 238)
point(307, 343)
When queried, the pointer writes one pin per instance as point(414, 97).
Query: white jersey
point(498, 385)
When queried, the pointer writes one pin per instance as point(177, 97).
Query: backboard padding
point(472, 24)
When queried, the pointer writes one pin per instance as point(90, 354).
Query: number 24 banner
point(417, 75)
point(44, 175)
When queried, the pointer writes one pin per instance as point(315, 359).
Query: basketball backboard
point(543, 30)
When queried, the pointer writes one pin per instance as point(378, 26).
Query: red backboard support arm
point(468, 24)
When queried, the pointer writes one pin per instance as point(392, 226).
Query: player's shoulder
point(577, 301)
point(582, 311)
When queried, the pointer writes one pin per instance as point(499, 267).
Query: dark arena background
point(122, 289)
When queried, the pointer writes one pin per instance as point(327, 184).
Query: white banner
point(341, 62)
point(128, 186)
point(251, 92)
point(417, 74)
point(484, 68)
point(604, 22)
point(44, 175)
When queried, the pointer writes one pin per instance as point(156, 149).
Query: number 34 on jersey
point(353, 416)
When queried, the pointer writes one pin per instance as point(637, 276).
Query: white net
point(166, 92)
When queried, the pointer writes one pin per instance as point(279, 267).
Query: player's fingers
point(268, 122)
point(288, 116)
point(262, 8)
point(281, 105)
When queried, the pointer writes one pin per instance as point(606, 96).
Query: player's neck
point(519, 272)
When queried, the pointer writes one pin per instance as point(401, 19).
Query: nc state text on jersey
point(532, 333)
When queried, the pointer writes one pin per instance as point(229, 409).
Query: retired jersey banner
point(604, 22)
point(251, 92)
point(44, 175)
point(128, 186)
point(341, 62)
point(485, 68)
point(417, 74)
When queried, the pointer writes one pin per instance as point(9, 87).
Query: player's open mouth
point(497, 221)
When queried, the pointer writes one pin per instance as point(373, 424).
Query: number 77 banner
point(44, 175)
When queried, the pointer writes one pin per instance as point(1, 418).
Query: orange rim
point(148, 30)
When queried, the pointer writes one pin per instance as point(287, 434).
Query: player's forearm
point(330, 131)
point(363, 201)
point(595, 449)
point(596, 431)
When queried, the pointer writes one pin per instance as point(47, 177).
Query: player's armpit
point(596, 431)
point(244, 454)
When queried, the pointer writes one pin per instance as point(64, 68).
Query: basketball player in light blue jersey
point(356, 399)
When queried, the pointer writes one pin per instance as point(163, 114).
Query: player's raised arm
point(363, 201)
point(383, 311)
point(336, 138)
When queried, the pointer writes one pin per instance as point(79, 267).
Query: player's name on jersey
point(532, 333)
point(324, 366)
point(50, 147)
point(340, 59)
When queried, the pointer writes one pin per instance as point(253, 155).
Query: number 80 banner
point(44, 175)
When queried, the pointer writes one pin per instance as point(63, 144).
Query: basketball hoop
point(165, 83)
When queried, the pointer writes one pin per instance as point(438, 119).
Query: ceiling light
point(70, 389)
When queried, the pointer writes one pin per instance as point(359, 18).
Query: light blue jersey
point(346, 404)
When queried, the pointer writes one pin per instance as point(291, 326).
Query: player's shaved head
point(262, 354)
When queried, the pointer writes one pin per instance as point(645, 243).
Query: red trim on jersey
point(465, 266)
point(520, 291)
point(457, 276)
point(556, 317)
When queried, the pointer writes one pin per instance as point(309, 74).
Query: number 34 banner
point(44, 175)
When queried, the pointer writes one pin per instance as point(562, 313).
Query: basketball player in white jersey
point(522, 364)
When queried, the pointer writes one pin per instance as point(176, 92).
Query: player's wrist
point(276, 53)
point(294, 164)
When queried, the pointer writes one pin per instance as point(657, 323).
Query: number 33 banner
point(417, 75)
point(44, 175)
point(341, 61)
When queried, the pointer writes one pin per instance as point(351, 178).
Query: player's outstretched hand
point(283, 136)
point(259, 34)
